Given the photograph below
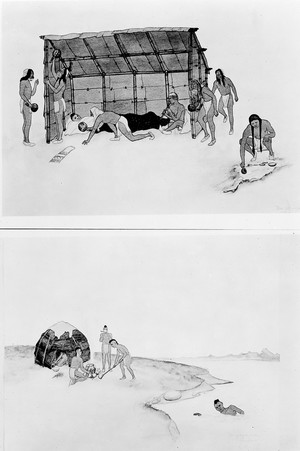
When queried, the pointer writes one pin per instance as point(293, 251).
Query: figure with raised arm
point(58, 89)
point(175, 111)
point(26, 92)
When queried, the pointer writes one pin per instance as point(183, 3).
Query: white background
point(255, 43)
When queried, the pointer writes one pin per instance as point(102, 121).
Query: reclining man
point(230, 410)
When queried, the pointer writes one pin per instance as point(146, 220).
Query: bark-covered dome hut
point(61, 337)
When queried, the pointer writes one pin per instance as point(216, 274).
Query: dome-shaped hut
point(61, 337)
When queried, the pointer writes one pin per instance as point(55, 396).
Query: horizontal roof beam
point(105, 56)
point(129, 73)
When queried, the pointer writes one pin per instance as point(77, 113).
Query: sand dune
point(42, 410)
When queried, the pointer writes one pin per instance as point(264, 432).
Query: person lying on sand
point(123, 358)
point(77, 371)
point(230, 410)
point(116, 123)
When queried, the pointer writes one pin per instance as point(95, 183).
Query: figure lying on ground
point(230, 410)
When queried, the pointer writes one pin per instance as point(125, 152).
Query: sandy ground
point(169, 175)
point(43, 410)
point(255, 390)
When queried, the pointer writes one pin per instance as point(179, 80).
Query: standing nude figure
point(225, 87)
point(58, 89)
point(26, 92)
point(208, 112)
point(105, 338)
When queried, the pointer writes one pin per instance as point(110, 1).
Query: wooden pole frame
point(190, 69)
point(194, 51)
point(47, 92)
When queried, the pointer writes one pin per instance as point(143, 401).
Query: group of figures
point(203, 107)
point(79, 372)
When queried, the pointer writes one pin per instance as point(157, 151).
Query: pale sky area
point(162, 295)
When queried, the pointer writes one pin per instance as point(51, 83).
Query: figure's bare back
point(110, 117)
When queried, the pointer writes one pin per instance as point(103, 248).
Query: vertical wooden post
point(103, 93)
point(167, 85)
point(134, 93)
point(200, 67)
point(72, 93)
point(44, 356)
point(47, 92)
point(190, 77)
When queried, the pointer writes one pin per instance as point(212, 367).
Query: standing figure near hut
point(105, 338)
point(77, 371)
point(208, 111)
point(58, 89)
point(116, 122)
point(257, 137)
point(196, 105)
point(225, 87)
point(175, 111)
point(26, 92)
